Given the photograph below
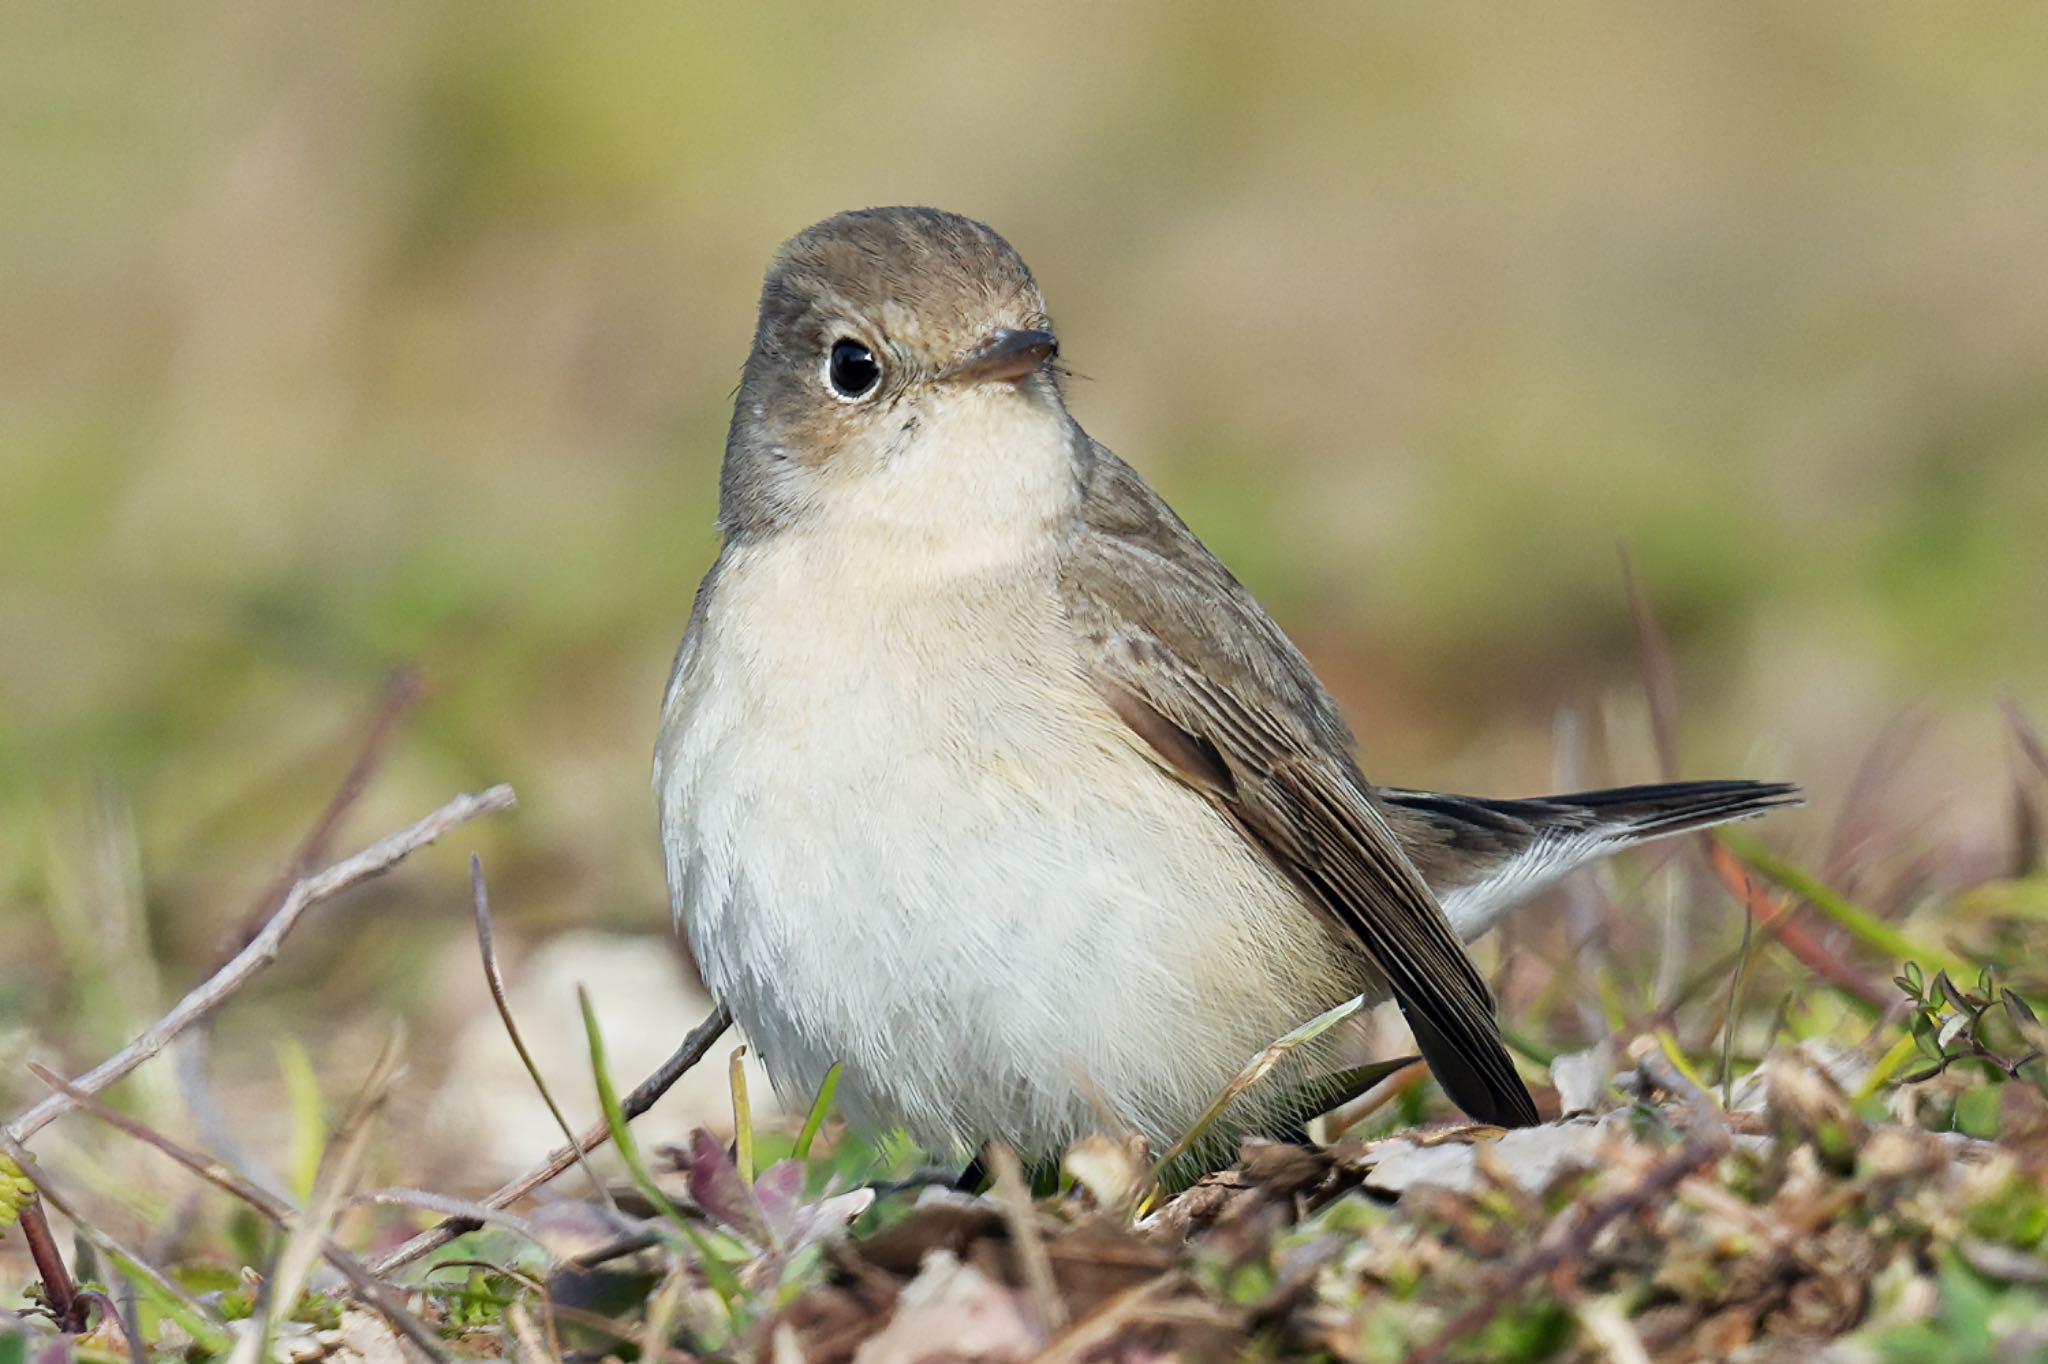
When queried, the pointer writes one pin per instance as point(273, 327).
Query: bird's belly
point(958, 876)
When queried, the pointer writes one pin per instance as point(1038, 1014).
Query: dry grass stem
point(262, 950)
point(1021, 1217)
point(308, 1237)
point(447, 1205)
point(480, 907)
point(642, 1098)
point(377, 1294)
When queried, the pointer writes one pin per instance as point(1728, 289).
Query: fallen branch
point(379, 857)
point(561, 1158)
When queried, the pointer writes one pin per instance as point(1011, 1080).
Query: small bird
point(980, 776)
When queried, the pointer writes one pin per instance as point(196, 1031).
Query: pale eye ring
point(851, 370)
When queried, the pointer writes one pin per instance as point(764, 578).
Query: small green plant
point(1990, 1023)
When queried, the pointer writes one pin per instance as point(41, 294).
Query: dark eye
point(852, 369)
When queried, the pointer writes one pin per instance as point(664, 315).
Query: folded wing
point(1198, 670)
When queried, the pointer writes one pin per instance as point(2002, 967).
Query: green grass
point(367, 338)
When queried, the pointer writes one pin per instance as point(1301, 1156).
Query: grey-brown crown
point(927, 280)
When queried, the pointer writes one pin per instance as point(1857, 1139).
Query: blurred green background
point(336, 337)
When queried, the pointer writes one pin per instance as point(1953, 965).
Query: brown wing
point(1251, 727)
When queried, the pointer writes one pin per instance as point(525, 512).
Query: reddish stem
point(60, 1294)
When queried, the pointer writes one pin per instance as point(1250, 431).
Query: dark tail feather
point(1674, 807)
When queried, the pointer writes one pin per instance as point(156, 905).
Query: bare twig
point(1014, 1197)
point(401, 690)
point(262, 950)
point(447, 1205)
point(60, 1294)
point(377, 1294)
point(639, 1101)
point(129, 1311)
point(400, 693)
point(115, 1251)
point(480, 907)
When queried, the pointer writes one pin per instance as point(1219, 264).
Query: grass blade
point(716, 1271)
point(815, 1119)
point(1860, 923)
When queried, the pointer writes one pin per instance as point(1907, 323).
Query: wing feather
point(1203, 676)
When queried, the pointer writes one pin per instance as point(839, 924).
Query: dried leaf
point(779, 1193)
point(716, 1187)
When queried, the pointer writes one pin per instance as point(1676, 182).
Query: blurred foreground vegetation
point(339, 340)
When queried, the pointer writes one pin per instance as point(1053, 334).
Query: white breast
point(903, 834)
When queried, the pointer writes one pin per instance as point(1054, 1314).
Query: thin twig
point(1014, 1197)
point(114, 1250)
point(129, 1310)
point(639, 1101)
point(401, 690)
point(480, 908)
point(60, 1294)
point(376, 1294)
point(262, 950)
point(446, 1205)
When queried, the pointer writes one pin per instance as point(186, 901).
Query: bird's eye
point(852, 370)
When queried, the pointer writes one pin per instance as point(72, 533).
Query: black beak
point(1006, 357)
